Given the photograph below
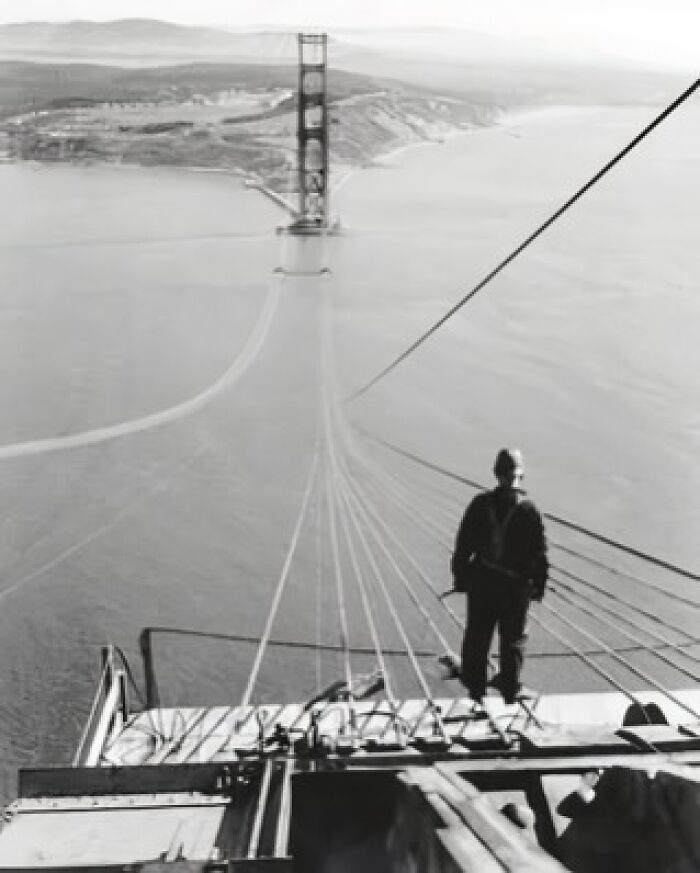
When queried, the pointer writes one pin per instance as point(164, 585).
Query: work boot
point(454, 666)
point(523, 694)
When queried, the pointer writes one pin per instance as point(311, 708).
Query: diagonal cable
point(530, 239)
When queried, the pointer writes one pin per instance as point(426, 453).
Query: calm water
point(126, 292)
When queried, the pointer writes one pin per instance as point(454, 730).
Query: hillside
point(232, 104)
point(224, 116)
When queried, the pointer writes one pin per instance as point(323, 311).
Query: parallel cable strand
point(652, 616)
point(359, 579)
point(642, 674)
point(252, 678)
point(664, 640)
point(371, 508)
point(377, 574)
point(598, 616)
point(327, 407)
point(342, 616)
point(409, 509)
point(319, 588)
point(530, 239)
point(586, 659)
point(399, 573)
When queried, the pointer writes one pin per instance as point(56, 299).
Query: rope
point(421, 573)
point(651, 559)
point(367, 610)
point(530, 239)
point(596, 614)
point(330, 439)
point(390, 605)
point(393, 490)
point(287, 644)
point(645, 612)
point(667, 643)
point(252, 678)
point(621, 573)
point(586, 659)
point(319, 591)
point(625, 663)
point(400, 574)
point(342, 617)
point(608, 568)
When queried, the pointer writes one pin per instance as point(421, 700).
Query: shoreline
point(502, 120)
point(344, 172)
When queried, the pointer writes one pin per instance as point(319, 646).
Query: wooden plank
point(260, 808)
point(174, 723)
point(285, 811)
point(556, 741)
point(663, 736)
point(500, 836)
point(467, 852)
point(212, 724)
point(467, 762)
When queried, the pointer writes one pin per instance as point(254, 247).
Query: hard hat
point(508, 461)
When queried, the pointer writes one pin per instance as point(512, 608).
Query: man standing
point(500, 561)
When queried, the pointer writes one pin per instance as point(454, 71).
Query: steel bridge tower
point(312, 133)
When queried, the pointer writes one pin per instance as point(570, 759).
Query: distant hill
point(141, 39)
point(477, 66)
point(25, 86)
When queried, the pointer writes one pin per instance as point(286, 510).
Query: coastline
point(503, 119)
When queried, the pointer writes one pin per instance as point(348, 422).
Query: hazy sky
point(657, 32)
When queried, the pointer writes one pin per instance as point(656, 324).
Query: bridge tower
point(312, 133)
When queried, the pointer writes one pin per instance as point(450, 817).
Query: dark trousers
point(493, 602)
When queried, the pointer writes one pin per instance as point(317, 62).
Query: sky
point(658, 33)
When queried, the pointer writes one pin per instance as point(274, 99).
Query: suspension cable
point(624, 661)
point(599, 616)
point(319, 588)
point(594, 562)
point(342, 616)
point(588, 660)
point(399, 572)
point(530, 239)
point(393, 491)
point(285, 644)
point(371, 508)
point(327, 406)
point(652, 616)
point(662, 638)
point(394, 614)
point(252, 678)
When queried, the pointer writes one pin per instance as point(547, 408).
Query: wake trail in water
point(248, 354)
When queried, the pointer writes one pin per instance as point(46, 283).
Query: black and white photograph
point(350, 436)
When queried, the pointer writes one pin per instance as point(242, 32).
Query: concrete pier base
point(304, 250)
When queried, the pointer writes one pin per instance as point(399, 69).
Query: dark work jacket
point(524, 553)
